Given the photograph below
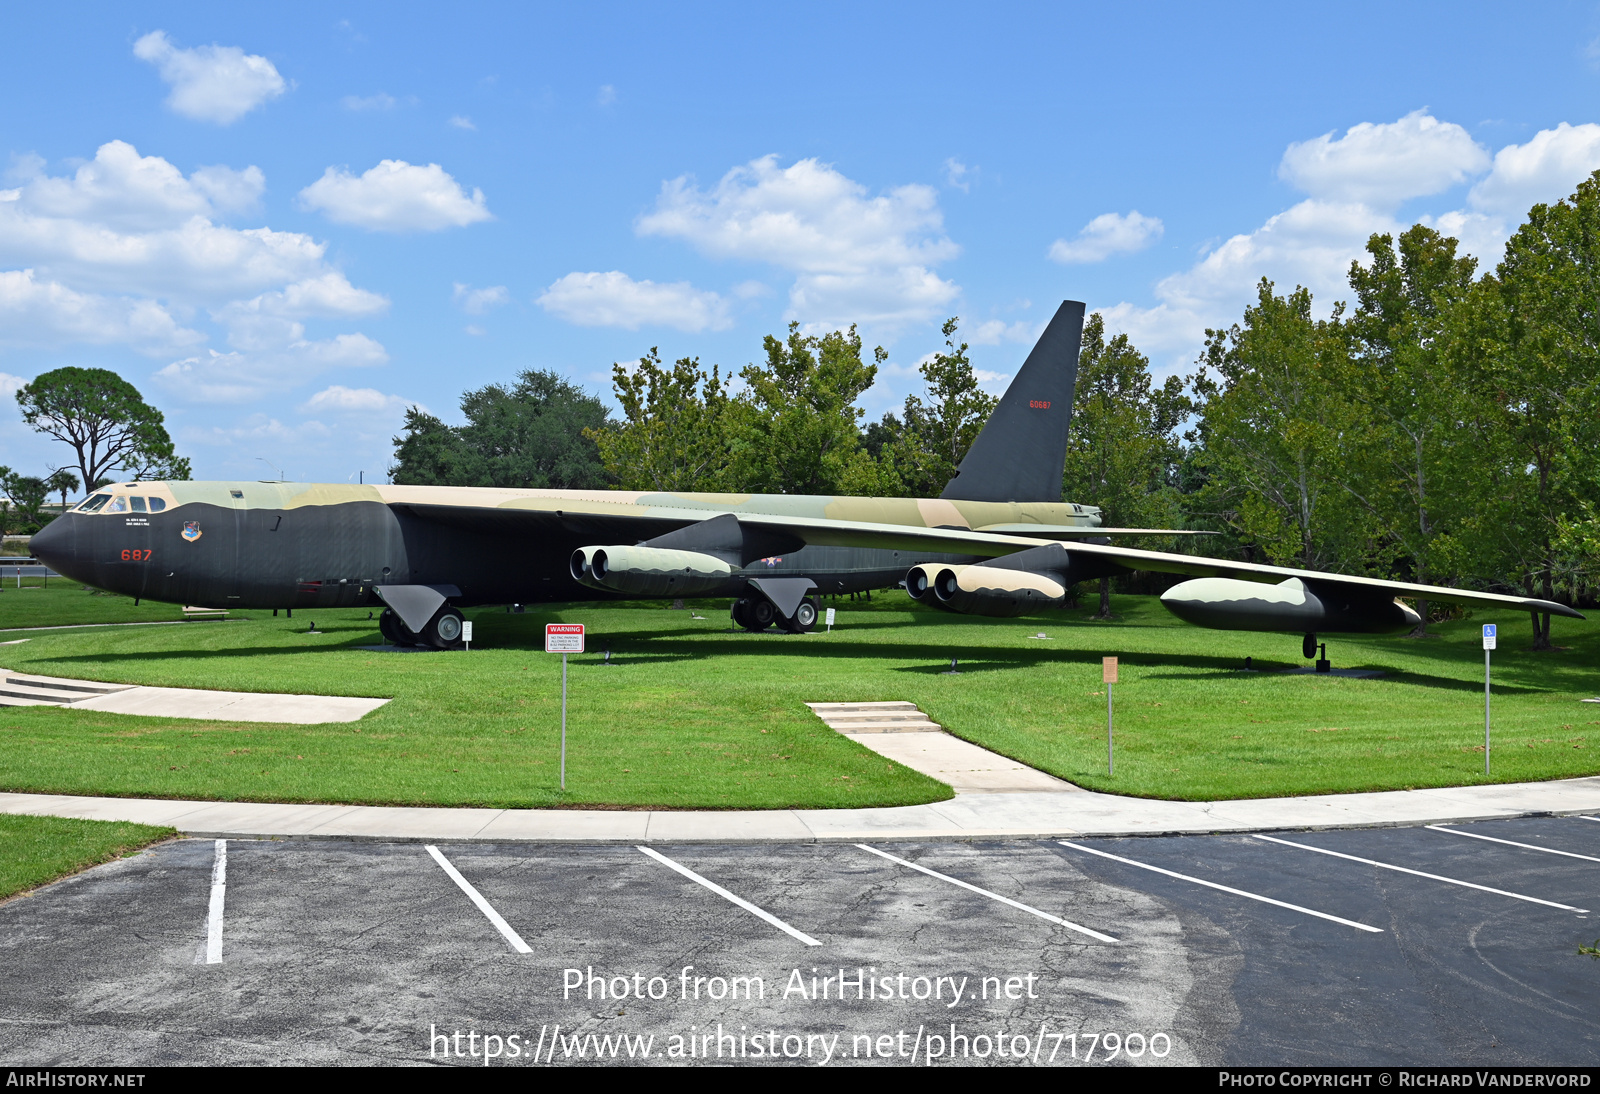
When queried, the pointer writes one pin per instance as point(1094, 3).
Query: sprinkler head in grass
point(952, 670)
point(1247, 666)
point(608, 657)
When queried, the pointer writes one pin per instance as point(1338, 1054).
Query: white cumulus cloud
point(211, 83)
point(1547, 168)
point(858, 257)
point(480, 301)
point(1385, 164)
point(1108, 234)
point(339, 399)
point(616, 300)
point(266, 365)
point(395, 196)
point(995, 331)
point(34, 312)
point(128, 223)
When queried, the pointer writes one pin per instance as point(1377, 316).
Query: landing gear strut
point(1310, 647)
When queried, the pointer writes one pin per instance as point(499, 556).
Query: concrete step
point(63, 685)
point(43, 695)
point(896, 716)
point(829, 708)
point(923, 726)
point(13, 701)
point(878, 720)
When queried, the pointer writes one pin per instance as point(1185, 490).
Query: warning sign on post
point(563, 638)
point(1108, 670)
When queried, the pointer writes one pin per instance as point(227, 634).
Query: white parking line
point(484, 906)
point(1595, 819)
point(1224, 888)
point(992, 896)
point(219, 889)
point(724, 894)
point(1419, 873)
point(1512, 843)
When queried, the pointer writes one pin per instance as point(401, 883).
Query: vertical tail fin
point(1022, 450)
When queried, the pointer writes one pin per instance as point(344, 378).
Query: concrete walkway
point(899, 731)
point(25, 689)
point(1028, 815)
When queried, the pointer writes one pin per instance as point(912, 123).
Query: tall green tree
point(1409, 465)
point(63, 482)
point(531, 434)
point(26, 495)
point(795, 428)
point(106, 421)
point(1122, 446)
point(934, 435)
point(1273, 430)
point(1527, 342)
point(674, 432)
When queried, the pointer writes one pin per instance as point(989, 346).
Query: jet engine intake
point(649, 571)
point(1225, 603)
point(924, 578)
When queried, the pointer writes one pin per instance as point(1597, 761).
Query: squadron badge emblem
point(191, 530)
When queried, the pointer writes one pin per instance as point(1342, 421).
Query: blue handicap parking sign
point(1488, 630)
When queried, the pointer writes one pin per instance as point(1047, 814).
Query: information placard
point(1489, 636)
point(1108, 670)
point(563, 638)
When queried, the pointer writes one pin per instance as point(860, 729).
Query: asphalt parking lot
point(1403, 946)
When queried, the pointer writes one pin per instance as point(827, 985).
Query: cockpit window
point(156, 505)
point(118, 505)
point(93, 504)
point(137, 503)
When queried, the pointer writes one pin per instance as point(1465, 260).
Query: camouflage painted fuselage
point(296, 545)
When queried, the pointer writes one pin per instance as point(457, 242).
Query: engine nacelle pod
point(649, 571)
point(1225, 603)
point(993, 590)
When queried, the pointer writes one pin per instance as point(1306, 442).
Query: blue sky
point(285, 224)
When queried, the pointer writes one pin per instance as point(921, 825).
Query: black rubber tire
point(443, 631)
point(740, 613)
point(1308, 647)
point(762, 614)
point(804, 619)
point(395, 632)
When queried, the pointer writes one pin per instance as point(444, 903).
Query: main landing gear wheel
point(805, 618)
point(443, 631)
point(395, 632)
point(754, 614)
point(1308, 648)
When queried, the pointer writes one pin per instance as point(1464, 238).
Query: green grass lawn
point(691, 714)
point(34, 850)
point(60, 602)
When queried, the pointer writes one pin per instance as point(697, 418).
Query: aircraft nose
point(54, 545)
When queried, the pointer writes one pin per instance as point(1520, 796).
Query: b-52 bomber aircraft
point(998, 541)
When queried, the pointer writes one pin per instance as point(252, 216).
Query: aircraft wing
point(987, 544)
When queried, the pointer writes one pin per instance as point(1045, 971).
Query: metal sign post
point(1489, 636)
point(1108, 675)
point(563, 638)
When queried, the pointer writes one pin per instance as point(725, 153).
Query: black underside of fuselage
point(332, 556)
